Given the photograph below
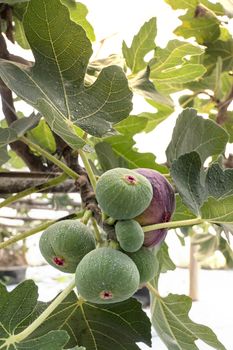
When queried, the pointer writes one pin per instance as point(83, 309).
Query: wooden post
point(193, 272)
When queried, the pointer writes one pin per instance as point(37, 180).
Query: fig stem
point(153, 290)
point(173, 224)
point(50, 157)
point(110, 221)
point(88, 168)
point(86, 217)
point(34, 325)
point(96, 231)
point(39, 228)
point(38, 188)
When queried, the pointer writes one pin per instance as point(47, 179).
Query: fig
point(146, 264)
point(123, 194)
point(129, 235)
point(160, 209)
point(106, 275)
point(65, 243)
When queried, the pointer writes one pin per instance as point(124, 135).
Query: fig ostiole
point(65, 243)
point(106, 275)
point(123, 193)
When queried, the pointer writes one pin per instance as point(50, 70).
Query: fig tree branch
point(38, 229)
point(33, 162)
point(50, 157)
point(222, 107)
point(51, 183)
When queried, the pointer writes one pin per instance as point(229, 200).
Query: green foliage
point(62, 77)
point(194, 133)
point(93, 272)
point(78, 13)
point(43, 136)
point(142, 44)
point(172, 323)
point(15, 310)
point(169, 67)
point(101, 326)
point(195, 186)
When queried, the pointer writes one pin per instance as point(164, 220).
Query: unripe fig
point(123, 193)
point(129, 234)
point(65, 243)
point(145, 261)
point(106, 275)
point(161, 207)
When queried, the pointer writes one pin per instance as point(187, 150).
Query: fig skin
point(160, 209)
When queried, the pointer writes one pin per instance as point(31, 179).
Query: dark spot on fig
point(131, 179)
point(106, 295)
point(166, 217)
point(58, 261)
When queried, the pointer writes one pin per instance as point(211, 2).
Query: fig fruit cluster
point(111, 273)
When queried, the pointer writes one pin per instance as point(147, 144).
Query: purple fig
point(161, 206)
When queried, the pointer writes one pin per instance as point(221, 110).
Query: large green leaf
point(219, 48)
point(15, 308)
point(170, 67)
point(207, 244)
point(194, 133)
point(132, 125)
point(43, 136)
point(173, 325)
point(115, 326)
point(154, 119)
point(181, 211)
point(143, 43)
point(142, 85)
point(164, 261)
point(201, 24)
point(19, 34)
point(199, 21)
point(195, 186)
point(7, 135)
point(219, 182)
point(124, 148)
point(192, 4)
point(4, 157)
point(78, 14)
point(226, 250)
point(107, 158)
point(55, 84)
point(185, 172)
point(218, 210)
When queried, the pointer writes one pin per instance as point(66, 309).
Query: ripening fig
point(65, 243)
point(106, 275)
point(129, 234)
point(122, 193)
point(161, 207)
